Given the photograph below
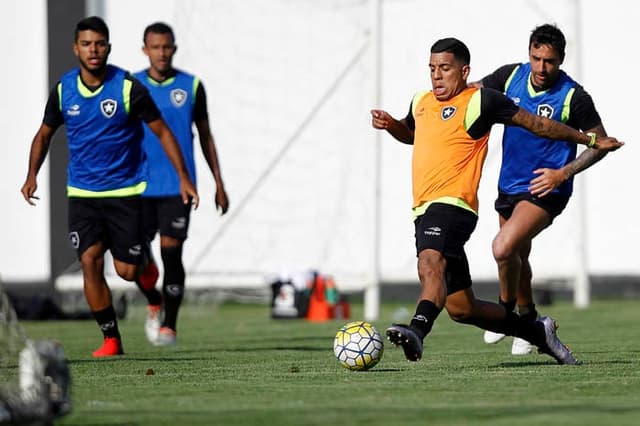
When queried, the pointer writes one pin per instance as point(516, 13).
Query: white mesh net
point(296, 147)
point(35, 382)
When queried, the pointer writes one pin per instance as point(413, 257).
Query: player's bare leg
point(511, 248)
point(98, 297)
point(433, 295)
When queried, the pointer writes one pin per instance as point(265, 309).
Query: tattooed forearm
point(547, 128)
point(585, 160)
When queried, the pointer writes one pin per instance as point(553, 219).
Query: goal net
point(34, 376)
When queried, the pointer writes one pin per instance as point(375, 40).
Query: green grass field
point(234, 365)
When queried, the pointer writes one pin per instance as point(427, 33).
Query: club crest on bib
point(448, 112)
point(545, 110)
point(108, 107)
point(178, 97)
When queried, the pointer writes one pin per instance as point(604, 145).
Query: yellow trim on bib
point(422, 208)
point(126, 95)
point(84, 90)
point(129, 191)
point(566, 106)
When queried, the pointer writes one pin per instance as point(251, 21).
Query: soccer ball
point(358, 346)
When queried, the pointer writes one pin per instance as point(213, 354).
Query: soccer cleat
point(110, 347)
point(149, 276)
point(552, 345)
point(521, 347)
point(492, 338)
point(165, 337)
point(152, 323)
point(403, 335)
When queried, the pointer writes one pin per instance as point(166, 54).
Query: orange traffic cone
point(319, 309)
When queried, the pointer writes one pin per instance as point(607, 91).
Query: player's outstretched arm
point(382, 120)
point(172, 149)
point(549, 179)
point(207, 143)
point(556, 130)
point(37, 155)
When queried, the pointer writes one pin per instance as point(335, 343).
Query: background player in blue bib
point(181, 98)
point(103, 109)
point(536, 177)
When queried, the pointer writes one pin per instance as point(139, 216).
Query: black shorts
point(446, 228)
point(116, 222)
point(553, 204)
point(167, 215)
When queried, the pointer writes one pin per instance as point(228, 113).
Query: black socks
point(173, 284)
point(107, 322)
point(426, 314)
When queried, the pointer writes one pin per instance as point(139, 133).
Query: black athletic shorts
point(446, 228)
point(114, 221)
point(167, 215)
point(553, 204)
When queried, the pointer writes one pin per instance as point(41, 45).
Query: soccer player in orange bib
point(449, 129)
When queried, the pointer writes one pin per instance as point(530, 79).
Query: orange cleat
point(110, 347)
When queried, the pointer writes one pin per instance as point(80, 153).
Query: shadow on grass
point(521, 364)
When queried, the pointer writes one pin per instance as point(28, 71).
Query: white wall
point(24, 249)
point(227, 45)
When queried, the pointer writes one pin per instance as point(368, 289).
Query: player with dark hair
point(182, 100)
point(536, 179)
point(449, 129)
point(103, 109)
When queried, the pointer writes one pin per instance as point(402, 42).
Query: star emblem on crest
point(178, 97)
point(108, 107)
point(448, 112)
point(545, 110)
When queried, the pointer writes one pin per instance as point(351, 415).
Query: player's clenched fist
point(380, 119)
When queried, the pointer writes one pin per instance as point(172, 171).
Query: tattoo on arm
point(586, 159)
point(548, 128)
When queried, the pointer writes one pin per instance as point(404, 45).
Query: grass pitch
point(234, 365)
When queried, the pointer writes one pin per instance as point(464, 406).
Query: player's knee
point(127, 272)
point(88, 260)
point(501, 248)
point(460, 314)
point(460, 307)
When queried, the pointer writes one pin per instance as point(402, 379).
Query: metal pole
point(95, 8)
point(581, 285)
point(372, 291)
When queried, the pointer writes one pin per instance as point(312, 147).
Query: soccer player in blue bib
point(182, 99)
point(536, 178)
point(103, 110)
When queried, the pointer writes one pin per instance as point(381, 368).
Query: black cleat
point(403, 335)
point(552, 345)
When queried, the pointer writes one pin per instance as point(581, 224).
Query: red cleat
point(149, 276)
point(110, 347)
